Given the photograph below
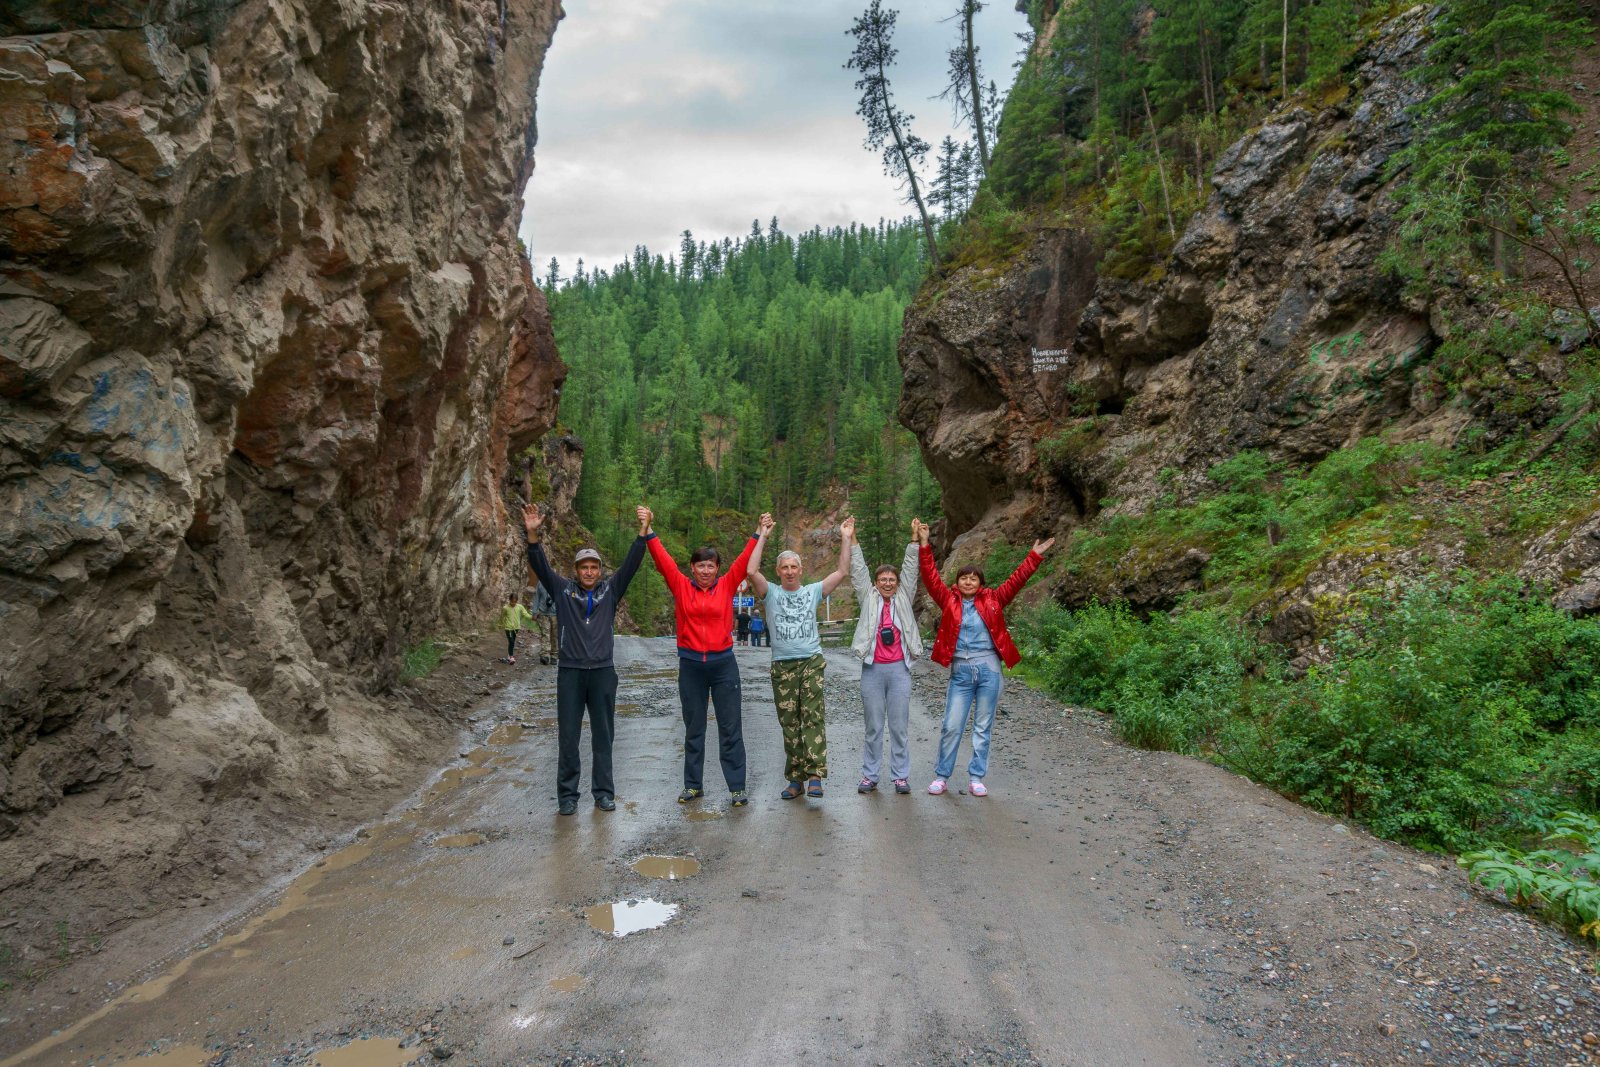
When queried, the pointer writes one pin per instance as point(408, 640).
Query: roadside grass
point(422, 660)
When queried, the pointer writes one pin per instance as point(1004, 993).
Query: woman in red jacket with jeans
point(972, 641)
point(703, 605)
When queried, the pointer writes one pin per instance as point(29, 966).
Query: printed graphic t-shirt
point(792, 620)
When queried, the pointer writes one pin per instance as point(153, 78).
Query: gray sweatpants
point(886, 696)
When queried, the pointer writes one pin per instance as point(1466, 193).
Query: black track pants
point(578, 689)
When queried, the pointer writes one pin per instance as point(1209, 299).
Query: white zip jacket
point(900, 606)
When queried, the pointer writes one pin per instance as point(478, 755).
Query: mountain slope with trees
point(739, 376)
point(1278, 316)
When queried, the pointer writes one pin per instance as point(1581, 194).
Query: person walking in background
point(513, 617)
point(544, 608)
point(586, 677)
point(797, 664)
point(703, 607)
point(758, 629)
point(972, 641)
point(886, 641)
point(742, 620)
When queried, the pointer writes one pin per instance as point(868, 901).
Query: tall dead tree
point(888, 128)
point(966, 79)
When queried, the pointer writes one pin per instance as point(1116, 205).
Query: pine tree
point(964, 89)
point(888, 128)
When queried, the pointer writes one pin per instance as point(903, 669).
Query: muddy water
point(296, 895)
point(369, 1052)
point(567, 983)
point(181, 1056)
point(451, 780)
point(507, 733)
point(669, 867)
point(630, 916)
point(459, 841)
point(465, 953)
point(703, 815)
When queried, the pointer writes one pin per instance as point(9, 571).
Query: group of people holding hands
point(971, 640)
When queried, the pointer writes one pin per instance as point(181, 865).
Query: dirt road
point(1102, 907)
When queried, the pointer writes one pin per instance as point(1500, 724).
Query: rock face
point(1042, 393)
point(267, 347)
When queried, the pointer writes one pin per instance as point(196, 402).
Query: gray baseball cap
point(585, 553)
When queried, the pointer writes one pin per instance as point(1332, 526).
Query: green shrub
point(1561, 880)
point(1446, 713)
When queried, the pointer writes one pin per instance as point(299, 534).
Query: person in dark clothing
point(586, 609)
point(743, 620)
point(703, 609)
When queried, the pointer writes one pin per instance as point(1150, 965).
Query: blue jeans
point(974, 691)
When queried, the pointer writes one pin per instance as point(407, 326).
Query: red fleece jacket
point(704, 616)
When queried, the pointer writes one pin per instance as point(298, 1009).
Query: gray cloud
point(661, 115)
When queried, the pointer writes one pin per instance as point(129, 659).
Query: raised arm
point(1013, 585)
point(758, 581)
point(533, 526)
point(741, 566)
point(909, 568)
point(859, 575)
point(630, 566)
point(928, 569)
point(659, 555)
point(847, 533)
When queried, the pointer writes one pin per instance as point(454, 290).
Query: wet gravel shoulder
point(1308, 940)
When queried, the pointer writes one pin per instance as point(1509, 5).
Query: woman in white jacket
point(886, 641)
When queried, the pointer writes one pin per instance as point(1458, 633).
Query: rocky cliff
point(1046, 394)
point(267, 351)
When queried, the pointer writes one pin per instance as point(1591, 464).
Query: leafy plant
point(1561, 880)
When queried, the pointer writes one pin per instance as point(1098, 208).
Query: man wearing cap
point(586, 610)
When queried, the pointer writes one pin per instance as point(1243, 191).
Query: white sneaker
point(936, 786)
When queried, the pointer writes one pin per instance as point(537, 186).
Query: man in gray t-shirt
point(791, 613)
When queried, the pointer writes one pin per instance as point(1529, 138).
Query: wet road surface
point(851, 929)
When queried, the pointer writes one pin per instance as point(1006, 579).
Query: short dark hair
point(970, 569)
point(512, 598)
point(705, 552)
point(886, 567)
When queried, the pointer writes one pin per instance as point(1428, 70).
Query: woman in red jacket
point(703, 605)
point(973, 642)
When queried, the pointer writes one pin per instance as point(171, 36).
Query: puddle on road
point(630, 916)
point(703, 815)
point(181, 1056)
point(368, 1052)
point(465, 953)
point(451, 780)
point(459, 841)
point(294, 897)
point(567, 983)
point(543, 722)
point(669, 867)
point(629, 710)
point(507, 733)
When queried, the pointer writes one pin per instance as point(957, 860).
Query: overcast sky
point(657, 116)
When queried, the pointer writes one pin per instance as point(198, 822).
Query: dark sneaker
point(568, 807)
point(739, 798)
point(690, 794)
point(867, 785)
point(902, 786)
point(605, 803)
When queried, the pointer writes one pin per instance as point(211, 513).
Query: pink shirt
point(894, 654)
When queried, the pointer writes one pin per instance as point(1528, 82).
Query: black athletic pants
point(511, 643)
point(578, 688)
point(718, 680)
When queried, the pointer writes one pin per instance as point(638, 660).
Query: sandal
point(814, 787)
point(792, 790)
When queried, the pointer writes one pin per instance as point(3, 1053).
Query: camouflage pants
point(797, 690)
